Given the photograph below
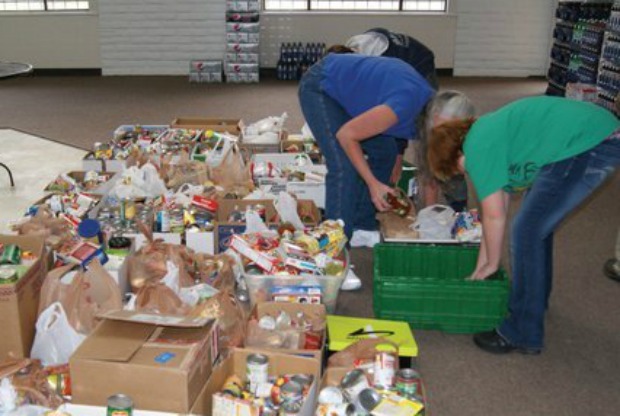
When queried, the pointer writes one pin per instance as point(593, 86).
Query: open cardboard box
point(228, 125)
point(89, 162)
point(225, 228)
point(161, 367)
point(279, 364)
point(19, 302)
point(292, 309)
point(108, 179)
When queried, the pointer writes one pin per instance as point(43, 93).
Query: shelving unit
point(608, 82)
point(577, 40)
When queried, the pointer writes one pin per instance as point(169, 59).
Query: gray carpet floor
point(577, 374)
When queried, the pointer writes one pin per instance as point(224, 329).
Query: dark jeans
point(559, 188)
point(346, 195)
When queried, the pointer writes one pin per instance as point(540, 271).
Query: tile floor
point(35, 162)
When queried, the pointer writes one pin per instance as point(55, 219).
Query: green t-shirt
point(506, 149)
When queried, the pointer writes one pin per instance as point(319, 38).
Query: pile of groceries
point(163, 277)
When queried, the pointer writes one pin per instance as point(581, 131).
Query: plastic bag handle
point(50, 316)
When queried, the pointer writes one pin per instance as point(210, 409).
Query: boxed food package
point(19, 300)
point(236, 365)
point(161, 362)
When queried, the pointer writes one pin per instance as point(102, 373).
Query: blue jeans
point(346, 195)
point(559, 188)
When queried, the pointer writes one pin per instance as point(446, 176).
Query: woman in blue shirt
point(357, 106)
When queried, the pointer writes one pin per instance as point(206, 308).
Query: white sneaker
point(364, 238)
point(351, 281)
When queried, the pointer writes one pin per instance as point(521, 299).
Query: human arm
point(368, 124)
point(494, 212)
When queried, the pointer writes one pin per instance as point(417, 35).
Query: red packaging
point(205, 203)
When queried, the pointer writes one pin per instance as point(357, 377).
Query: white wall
point(478, 37)
point(159, 36)
point(51, 40)
point(503, 37)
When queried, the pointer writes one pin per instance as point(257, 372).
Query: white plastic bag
point(8, 396)
point(55, 339)
point(435, 222)
point(254, 223)
point(143, 182)
point(286, 206)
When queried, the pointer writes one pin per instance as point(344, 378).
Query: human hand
point(378, 193)
point(482, 272)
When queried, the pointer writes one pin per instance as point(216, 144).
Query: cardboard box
point(102, 189)
point(279, 364)
point(161, 367)
point(314, 312)
point(113, 165)
point(228, 125)
point(19, 302)
point(225, 228)
point(314, 191)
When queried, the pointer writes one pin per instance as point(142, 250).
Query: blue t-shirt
point(359, 83)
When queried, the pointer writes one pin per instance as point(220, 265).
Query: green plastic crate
point(425, 285)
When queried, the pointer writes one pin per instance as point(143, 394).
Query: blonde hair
point(445, 147)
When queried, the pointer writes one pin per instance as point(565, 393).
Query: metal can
point(331, 395)
point(177, 224)
point(408, 382)
point(305, 380)
point(368, 399)
point(290, 409)
point(333, 409)
point(386, 362)
point(257, 368)
point(8, 274)
point(353, 383)
point(11, 254)
point(163, 221)
point(291, 391)
point(120, 405)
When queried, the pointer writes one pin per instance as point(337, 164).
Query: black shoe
point(611, 269)
point(493, 342)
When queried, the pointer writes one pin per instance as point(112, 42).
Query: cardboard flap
point(156, 319)
point(114, 341)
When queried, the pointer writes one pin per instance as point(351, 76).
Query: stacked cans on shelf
point(242, 41)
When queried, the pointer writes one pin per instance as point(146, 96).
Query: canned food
point(369, 399)
point(291, 391)
point(353, 383)
point(11, 254)
point(163, 221)
point(386, 361)
point(305, 380)
point(177, 225)
point(8, 274)
point(333, 409)
point(331, 395)
point(408, 382)
point(257, 368)
point(290, 409)
point(120, 405)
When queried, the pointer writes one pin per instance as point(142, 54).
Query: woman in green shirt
point(556, 150)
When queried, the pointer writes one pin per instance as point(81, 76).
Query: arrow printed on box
point(368, 331)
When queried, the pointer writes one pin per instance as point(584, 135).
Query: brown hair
point(339, 49)
point(445, 146)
